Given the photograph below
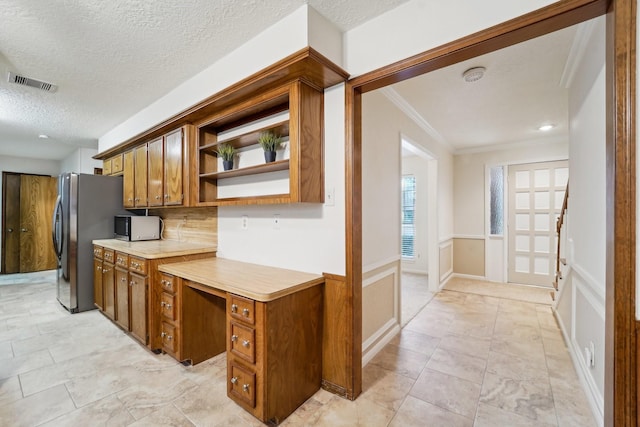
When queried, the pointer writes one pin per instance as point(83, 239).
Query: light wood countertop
point(153, 249)
point(254, 281)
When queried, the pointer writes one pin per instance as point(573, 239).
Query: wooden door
point(37, 199)
point(98, 296)
point(108, 279)
point(128, 177)
point(138, 307)
point(122, 298)
point(173, 148)
point(141, 196)
point(536, 192)
point(11, 219)
point(156, 167)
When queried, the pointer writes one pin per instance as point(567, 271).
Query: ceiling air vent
point(26, 81)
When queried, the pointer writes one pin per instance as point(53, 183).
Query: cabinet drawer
point(167, 282)
point(97, 251)
point(108, 255)
point(122, 260)
point(138, 265)
point(243, 340)
point(168, 305)
point(169, 337)
point(117, 165)
point(242, 309)
point(242, 384)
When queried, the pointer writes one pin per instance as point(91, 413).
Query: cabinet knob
point(245, 312)
point(246, 343)
point(245, 387)
point(164, 334)
point(158, 197)
point(124, 279)
point(234, 338)
point(234, 308)
point(166, 197)
point(162, 304)
point(234, 380)
point(167, 306)
point(98, 268)
point(169, 337)
point(130, 199)
point(105, 270)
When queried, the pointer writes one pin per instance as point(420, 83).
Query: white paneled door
point(536, 192)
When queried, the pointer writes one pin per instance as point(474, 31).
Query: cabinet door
point(156, 167)
point(138, 307)
point(108, 279)
point(122, 298)
point(173, 149)
point(140, 176)
point(97, 284)
point(128, 179)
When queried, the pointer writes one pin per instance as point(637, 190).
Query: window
point(408, 216)
point(496, 191)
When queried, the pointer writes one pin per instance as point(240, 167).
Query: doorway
point(27, 209)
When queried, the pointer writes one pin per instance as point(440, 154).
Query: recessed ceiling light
point(545, 128)
point(473, 74)
point(43, 136)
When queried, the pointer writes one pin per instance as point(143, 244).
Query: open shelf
point(279, 165)
point(251, 138)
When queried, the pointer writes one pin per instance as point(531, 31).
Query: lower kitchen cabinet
point(139, 290)
point(122, 298)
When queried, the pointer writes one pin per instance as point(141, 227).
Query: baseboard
point(595, 401)
point(378, 340)
point(445, 279)
point(469, 276)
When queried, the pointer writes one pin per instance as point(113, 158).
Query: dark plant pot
point(227, 164)
point(269, 156)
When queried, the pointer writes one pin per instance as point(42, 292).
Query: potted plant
point(226, 151)
point(269, 142)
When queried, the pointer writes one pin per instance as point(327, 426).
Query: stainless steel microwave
point(134, 228)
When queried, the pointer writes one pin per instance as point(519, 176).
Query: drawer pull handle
point(234, 380)
point(246, 343)
point(234, 338)
point(234, 308)
point(245, 312)
point(245, 387)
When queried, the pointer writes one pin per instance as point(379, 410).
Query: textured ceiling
point(110, 59)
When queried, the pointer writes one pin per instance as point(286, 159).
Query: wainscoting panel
point(380, 308)
point(446, 260)
point(468, 256)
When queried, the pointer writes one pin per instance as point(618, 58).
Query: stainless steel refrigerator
point(84, 211)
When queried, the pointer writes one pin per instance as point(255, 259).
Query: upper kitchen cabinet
point(286, 98)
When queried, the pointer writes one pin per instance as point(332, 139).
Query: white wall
point(417, 166)
point(420, 25)
point(81, 161)
point(581, 306)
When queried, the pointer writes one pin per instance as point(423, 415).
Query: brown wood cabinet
point(108, 284)
point(113, 165)
point(98, 292)
point(156, 166)
point(128, 179)
point(141, 195)
point(122, 298)
point(274, 352)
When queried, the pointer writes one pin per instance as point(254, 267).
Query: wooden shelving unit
point(303, 129)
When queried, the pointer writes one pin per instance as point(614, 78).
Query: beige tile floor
point(464, 360)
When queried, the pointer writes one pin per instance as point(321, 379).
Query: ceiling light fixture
point(547, 127)
point(43, 136)
point(473, 74)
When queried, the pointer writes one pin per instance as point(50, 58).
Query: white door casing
point(536, 192)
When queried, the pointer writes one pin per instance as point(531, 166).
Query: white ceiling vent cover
point(26, 81)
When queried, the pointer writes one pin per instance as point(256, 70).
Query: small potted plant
point(226, 151)
point(269, 142)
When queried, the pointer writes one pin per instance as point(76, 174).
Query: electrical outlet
point(329, 197)
point(245, 222)
point(276, 221)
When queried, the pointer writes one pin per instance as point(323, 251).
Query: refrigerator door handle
point(57, 215)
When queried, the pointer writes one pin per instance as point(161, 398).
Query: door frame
point(621, 353)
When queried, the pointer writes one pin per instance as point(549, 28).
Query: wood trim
point(621, 357)
point(306, 64)
point(539, 22)
point(621, 387)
